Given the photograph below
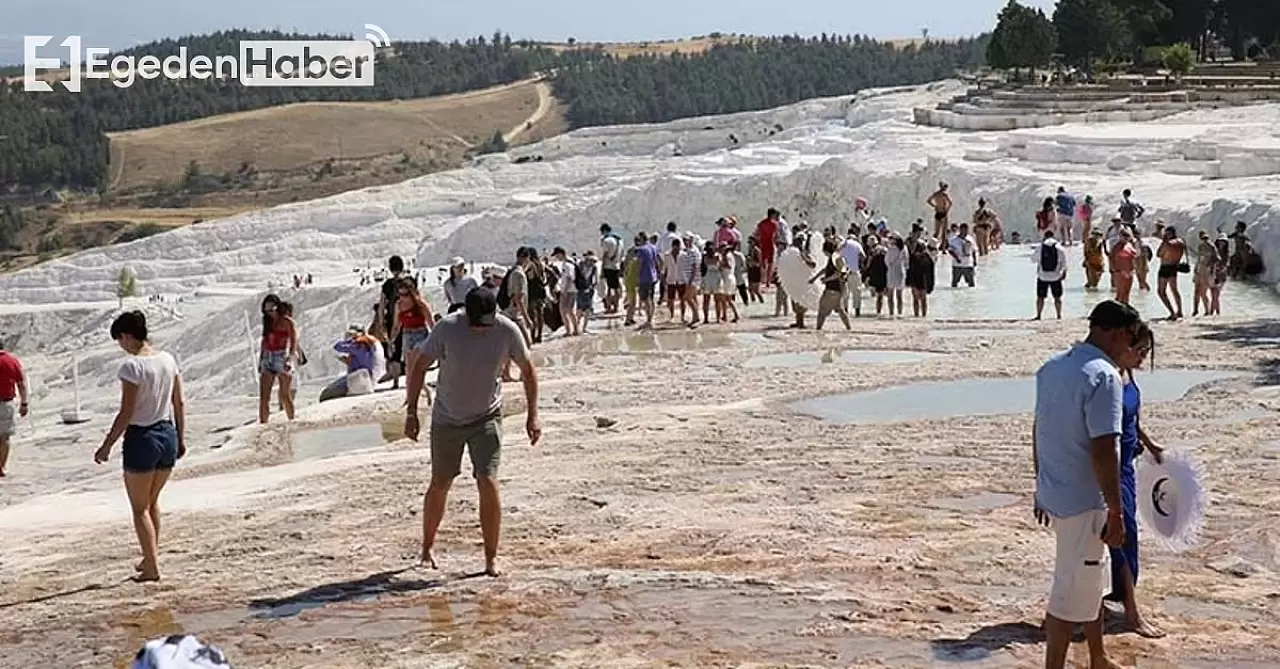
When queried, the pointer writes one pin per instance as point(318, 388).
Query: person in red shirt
point(767, 240)
point(13, 385)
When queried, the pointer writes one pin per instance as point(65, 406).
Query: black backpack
point(1128, 212)
point(580, 279)
point(504, 296)
point(1048, 257)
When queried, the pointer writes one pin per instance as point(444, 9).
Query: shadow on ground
point(1259, 335)
point(986, 640)
point(364, 589)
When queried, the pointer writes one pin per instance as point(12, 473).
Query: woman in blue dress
point(1133, 442)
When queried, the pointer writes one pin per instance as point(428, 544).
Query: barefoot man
point(472, 346)
point(13, 386)
point(1075, 449)
point(1172, 254)
point(941, 203)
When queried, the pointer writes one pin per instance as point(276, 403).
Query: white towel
point(180, 651)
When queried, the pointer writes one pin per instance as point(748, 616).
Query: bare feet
point(1145, 629)
point(491, 569)
point(144, 576)
point(428, 560)
point(1105, 663)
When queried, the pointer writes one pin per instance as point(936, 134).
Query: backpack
point(580, 279)
point(1048, 258)
point(504, 294)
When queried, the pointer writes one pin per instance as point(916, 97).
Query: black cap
point(1112, 315)
point(481, 307)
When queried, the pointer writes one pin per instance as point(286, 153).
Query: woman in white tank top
point(152, 421)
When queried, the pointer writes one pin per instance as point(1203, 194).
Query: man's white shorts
point(1064, 224)
point(1082, 571)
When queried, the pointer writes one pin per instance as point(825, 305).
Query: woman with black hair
point(536, 272)
point(153, 423)
point(278, 355)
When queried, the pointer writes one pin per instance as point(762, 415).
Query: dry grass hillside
point(279, 141)
point(257, 159)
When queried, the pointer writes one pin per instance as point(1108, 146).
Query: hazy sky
point(124, 23)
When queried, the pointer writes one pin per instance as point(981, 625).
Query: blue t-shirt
point(1066, 204)
point(1079, 397)
point(648, 255)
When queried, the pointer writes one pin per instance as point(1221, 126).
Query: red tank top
point(412, 319)
point(276, 340)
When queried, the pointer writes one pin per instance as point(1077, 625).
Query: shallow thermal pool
point(1005, 288)
point(975, 397)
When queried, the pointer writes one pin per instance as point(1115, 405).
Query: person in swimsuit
point(1221, 271)
point(1134, 441)
point(1085, 212)
point(277, 357)
point(414, 321)
point(983, 222)
point(1124, 256)
point(1206, 258)
point(941, 203)
point(1046, 218)
point(1171, 252)
point(1094, 259)
point(832, 275)
point(152, 420)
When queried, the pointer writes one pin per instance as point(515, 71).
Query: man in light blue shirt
point(1075, 445)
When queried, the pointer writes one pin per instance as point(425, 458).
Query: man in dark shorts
point(610, 268)
point(1051, 272)
point(472, 347)
point(387, 316)
point(1172, 254)
point(941, 203)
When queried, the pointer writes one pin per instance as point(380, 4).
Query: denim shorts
point(150, 448)
point(273, 362)
point(414, 339)
point(586, 299)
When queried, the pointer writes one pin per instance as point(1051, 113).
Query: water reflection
point(1006, 285)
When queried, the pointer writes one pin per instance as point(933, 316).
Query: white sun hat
point(1172, 499)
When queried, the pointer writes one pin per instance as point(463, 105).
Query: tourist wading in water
point(278, 355)
point(1079, 411)
point(13, 386)
point(152, 421)
point(472, 347)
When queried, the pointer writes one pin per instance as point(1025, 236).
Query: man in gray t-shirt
point(473, 347)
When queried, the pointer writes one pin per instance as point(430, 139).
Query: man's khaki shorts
point(482, 440)
point(8, 419)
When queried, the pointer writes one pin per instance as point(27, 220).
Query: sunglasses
point(404, 293)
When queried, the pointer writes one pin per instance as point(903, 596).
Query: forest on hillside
point(748, 75)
